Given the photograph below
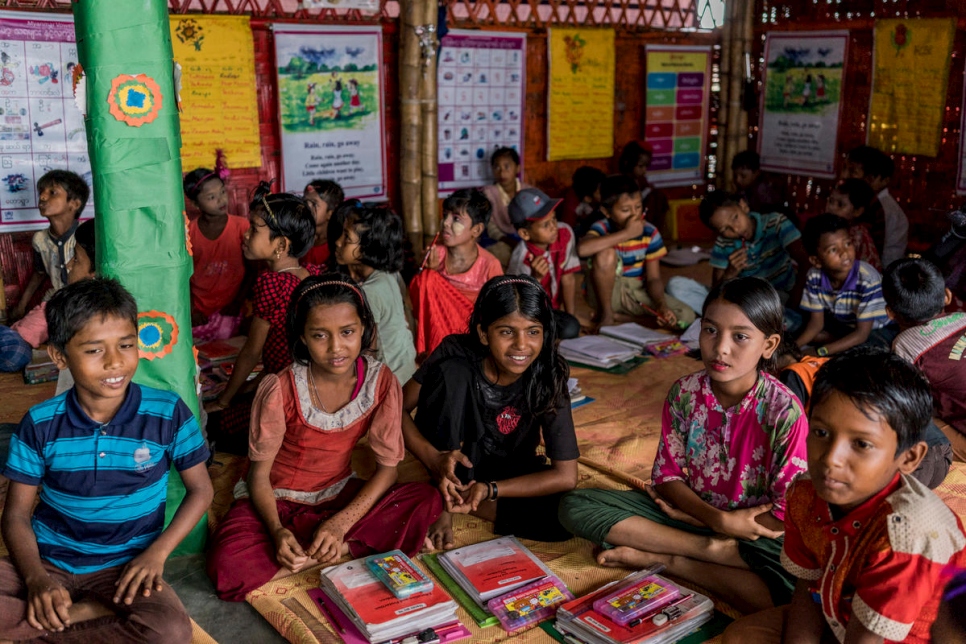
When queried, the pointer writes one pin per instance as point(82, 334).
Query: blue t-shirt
point(767, 254)
point(103, 486)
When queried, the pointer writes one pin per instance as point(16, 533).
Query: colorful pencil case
point(399, 574)
point(643, 596)
point(529, 604)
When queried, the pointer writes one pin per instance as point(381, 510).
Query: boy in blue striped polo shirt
point(752, 244)
point(843, 294)
point(87, 562)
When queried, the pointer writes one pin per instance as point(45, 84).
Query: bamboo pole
point(430, 178)
point(410, 167)
point(744, 38)
point(737, 117)
point(724, 114)
point(623, 477)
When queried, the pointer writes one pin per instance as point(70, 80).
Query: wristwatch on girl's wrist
point(822, 352)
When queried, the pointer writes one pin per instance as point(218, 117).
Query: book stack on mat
point(577, 397)
point(364, 609)
point(634, 334)
point(506, 582)
point(642, 608)
point(598, 352)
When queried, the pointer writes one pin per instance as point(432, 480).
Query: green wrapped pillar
point(134, 141)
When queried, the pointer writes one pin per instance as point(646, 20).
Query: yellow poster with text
point(218, 100)
point(911, 70)
point(580, 100)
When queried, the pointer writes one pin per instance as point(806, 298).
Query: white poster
point(801, 102)
point(481, 80)
point(41, 128)
point(330, 97)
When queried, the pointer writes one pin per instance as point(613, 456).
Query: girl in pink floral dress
point(732, 441)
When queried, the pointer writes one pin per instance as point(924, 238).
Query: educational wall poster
point(676, 117)
point(961, 174)
point(910, 71)
point(330, 97)
point(580, 98)
point(481, 78)
point(801, 101)
point(41, 129)
point(219, 106)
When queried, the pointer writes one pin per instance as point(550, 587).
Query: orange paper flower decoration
point(134, 100)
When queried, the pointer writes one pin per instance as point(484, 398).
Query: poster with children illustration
point(801, 101)
point(481, 79)
point(219, 103)
point(330, 96)
point(41, 128)
point(580, 97)
point(910, 71)
point(676, 119)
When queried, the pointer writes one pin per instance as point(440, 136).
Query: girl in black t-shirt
point(483, 400)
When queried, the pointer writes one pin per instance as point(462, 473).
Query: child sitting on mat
point(302, 504)
point(624, 251)
point(732, 441)
point(548, 252)
point(443, 295)
point(216, 238)
point(323, 198)
point(485, 400)
point(281, 231)
point(870, 546)
point(86, 562)
point(371, 248)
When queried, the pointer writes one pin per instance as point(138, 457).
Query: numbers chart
point(41, 128)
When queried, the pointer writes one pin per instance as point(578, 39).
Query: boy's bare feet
point(627, 557)
point(440, 536)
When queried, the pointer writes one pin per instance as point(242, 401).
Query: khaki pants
point(630, 297)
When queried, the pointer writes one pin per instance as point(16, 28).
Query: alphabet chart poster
point(41, 128)
point(480, 79)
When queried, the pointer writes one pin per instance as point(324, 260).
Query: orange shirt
point(219, 266)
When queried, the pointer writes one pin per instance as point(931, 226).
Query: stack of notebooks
point(505, 581)
point(598, 351)
point(577, 397)
point(617, 346)
point(642, 608)
point(360, 605)
point(635, 335)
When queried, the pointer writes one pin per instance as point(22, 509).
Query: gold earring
point(278, 253)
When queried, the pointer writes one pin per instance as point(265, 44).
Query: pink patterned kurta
point(736, 458)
